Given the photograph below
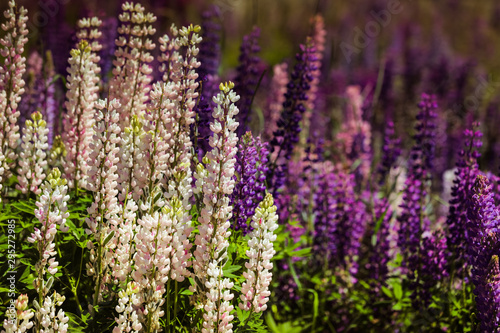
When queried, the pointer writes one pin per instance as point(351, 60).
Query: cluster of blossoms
point(19, 316)
point(11, 85)
point(255, 290)
point(215, 182)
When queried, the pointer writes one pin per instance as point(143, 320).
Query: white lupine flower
point(255, 290)
point(82, 84)
point(32, 157)
point(128, 303)
point(121, 265)
point(102, 181)
point(216, 182)
point(52, 210)
point(132, 72)
point(22, 314)
point(161, 255)
point(133, 167)
point(11, 85)
point(48, 321)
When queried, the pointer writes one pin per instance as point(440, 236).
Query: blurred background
point(393, 49)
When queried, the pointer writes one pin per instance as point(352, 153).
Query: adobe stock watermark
point(48, 10)
point(11, 273)
point(484, 88)
point(372, 29)
point(226, 5)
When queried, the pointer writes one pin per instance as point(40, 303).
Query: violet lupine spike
point(380, 253)
point(209, 57)
point(465, 175)
point(432, 269)
point(412, 218)
point(391, 150)
point(422, 154)
point(247, 77)
point(483, 228)
point(287, 134)
point(492, 312)
point(251, 167)
point(351, 216)
point(325, 223)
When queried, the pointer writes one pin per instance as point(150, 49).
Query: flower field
point(237, 166)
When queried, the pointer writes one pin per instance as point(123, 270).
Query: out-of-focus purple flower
point(209, 57)
point(492, 312)
point(390, 151)
point(379, 257)
point(325, 223)
point(412, 219)
point(432, 268)
point(251, 168)
point(465, 175)
point(287, 134)
point(247, 78)
point(483, 227)
point(109, 34)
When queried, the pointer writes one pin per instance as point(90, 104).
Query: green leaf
point(242, 315)
point(301, 253)
point(398, 291)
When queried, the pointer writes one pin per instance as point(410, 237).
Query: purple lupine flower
point(351, 225)
point(465, 175)
point(379, 257)
point(432, 269)
point(209, 57)
point(287, 134)
point(390, 151)
point(422, 154)
point(483, 228)
point(492, 312)
point(251, 167)
point(247, 79)
point(325, 223)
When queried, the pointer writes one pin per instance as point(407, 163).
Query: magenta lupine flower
point(251, 168)
point(247, 78)
point(465, 175)
point(484, 233)
point(492, 311)
point(275, 99)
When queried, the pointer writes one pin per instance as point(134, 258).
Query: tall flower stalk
point(33, 155)
point(215, 183)
point(11, 85)
point(51, 211)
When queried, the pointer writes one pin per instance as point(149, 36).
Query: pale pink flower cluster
point(134, 159)
point(102, 181)
point(217, 308)
point(216, 183)
point(276, 98)
point(162, 250)
point(11, 84)
point(255, 290)
point(132, 72)
point(128, 303)
point(89, 31)
point(121, 264)
point(48, 320)
point(33, 155)
point(82, 84)
point(51, 211)
point(354, 126)
point(18, 318)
